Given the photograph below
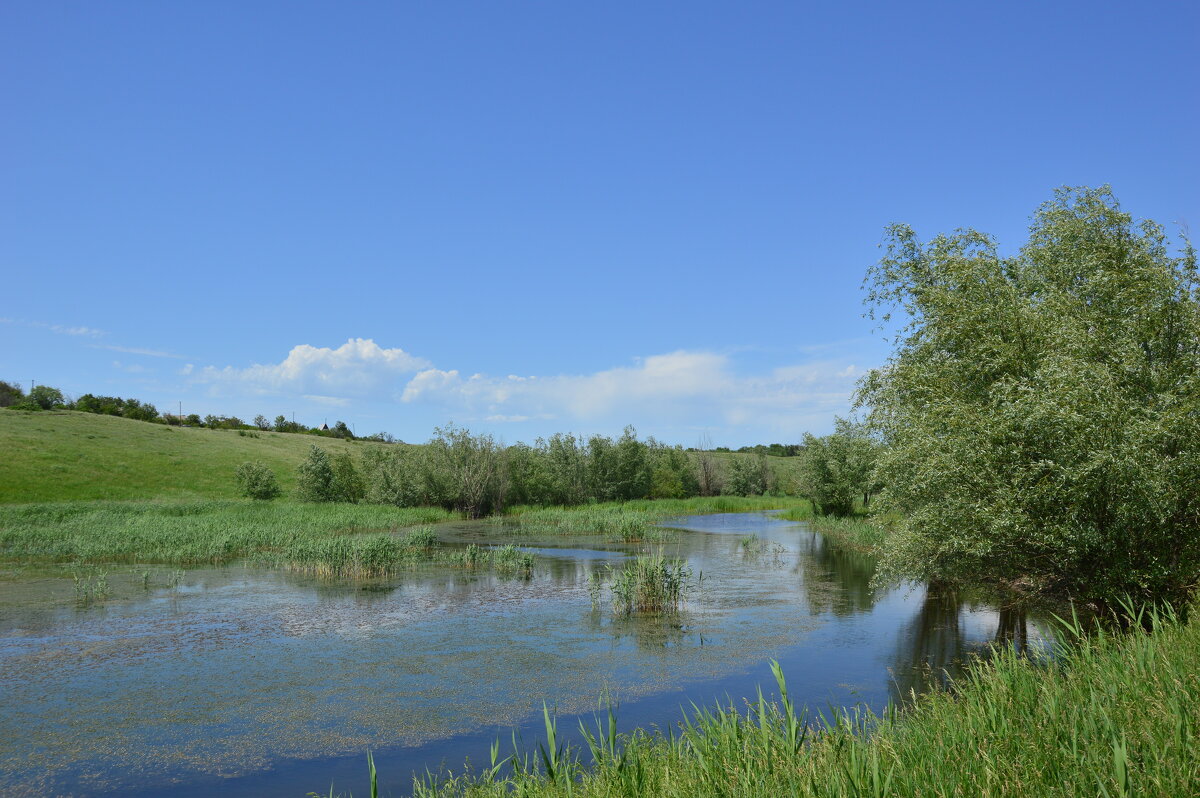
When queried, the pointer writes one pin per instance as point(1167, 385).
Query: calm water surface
point(252, 682)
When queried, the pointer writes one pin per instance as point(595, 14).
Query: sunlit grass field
point(68, 456)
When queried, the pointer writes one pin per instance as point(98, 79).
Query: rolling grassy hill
point(63, 455)
point(69, 456)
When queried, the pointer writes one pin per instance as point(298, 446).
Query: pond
point(246, 681)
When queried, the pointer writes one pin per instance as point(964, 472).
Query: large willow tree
point(1042, 411)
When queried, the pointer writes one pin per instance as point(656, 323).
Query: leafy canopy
point(1041, 411)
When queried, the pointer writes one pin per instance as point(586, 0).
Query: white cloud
point(679, 388)
point(61, 329)
point(674, 392)
point(332, 401)
point(129, 368)
point(91, 332)
point(359, 367)
point(134, 350)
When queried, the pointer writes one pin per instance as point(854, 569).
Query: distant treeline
point(44, 397)
point(773, 450)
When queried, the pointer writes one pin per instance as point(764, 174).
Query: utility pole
point(181, 412)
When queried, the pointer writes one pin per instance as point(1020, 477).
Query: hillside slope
point(66, 456)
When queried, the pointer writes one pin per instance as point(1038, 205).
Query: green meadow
point(62, 455)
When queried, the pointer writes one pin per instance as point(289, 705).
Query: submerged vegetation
point(376, 555)
point(1111, 716)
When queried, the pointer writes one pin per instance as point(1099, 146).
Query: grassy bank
point(856, 532)
point(1114, 716)
point(215, 531)
point(333, 538)
point(68, 456)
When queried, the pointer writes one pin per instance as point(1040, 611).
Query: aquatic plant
point(650, 583)
point(91, 585)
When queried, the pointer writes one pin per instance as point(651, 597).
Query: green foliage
point(347, 485)
point(116, 406)
point(314, 477)
point(858, 534)
point(838, 468)
point(257, 481)
point(41, 397)
point(464, 472)
point(1042, 411)
point(475, 475)
point(748, 476)
point(10, 394)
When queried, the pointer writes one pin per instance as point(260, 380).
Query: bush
point(10, 394)
point(257, 481)
point(41, 397)
point(314, 477)
point(748, 476)
point(838, 469)
point(347, 485)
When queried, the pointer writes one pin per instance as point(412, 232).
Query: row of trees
point(44, 397)
point(476, 475)
point(40, 397)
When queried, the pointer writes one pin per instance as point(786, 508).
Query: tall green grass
point(195, 532)
point(613, 522)
point(650, 583)
point(860, 534)
point(378, 555)
point(1113, 715)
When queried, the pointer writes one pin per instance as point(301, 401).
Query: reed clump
point(650, 583)
point(506, 559)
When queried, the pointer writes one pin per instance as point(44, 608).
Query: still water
point(254, 682)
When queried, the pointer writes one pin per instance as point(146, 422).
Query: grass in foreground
point(1113, 716)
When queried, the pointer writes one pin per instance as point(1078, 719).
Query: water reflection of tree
point(934, 648)
point(836, 580)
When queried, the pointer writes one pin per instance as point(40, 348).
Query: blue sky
point(531, 217)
